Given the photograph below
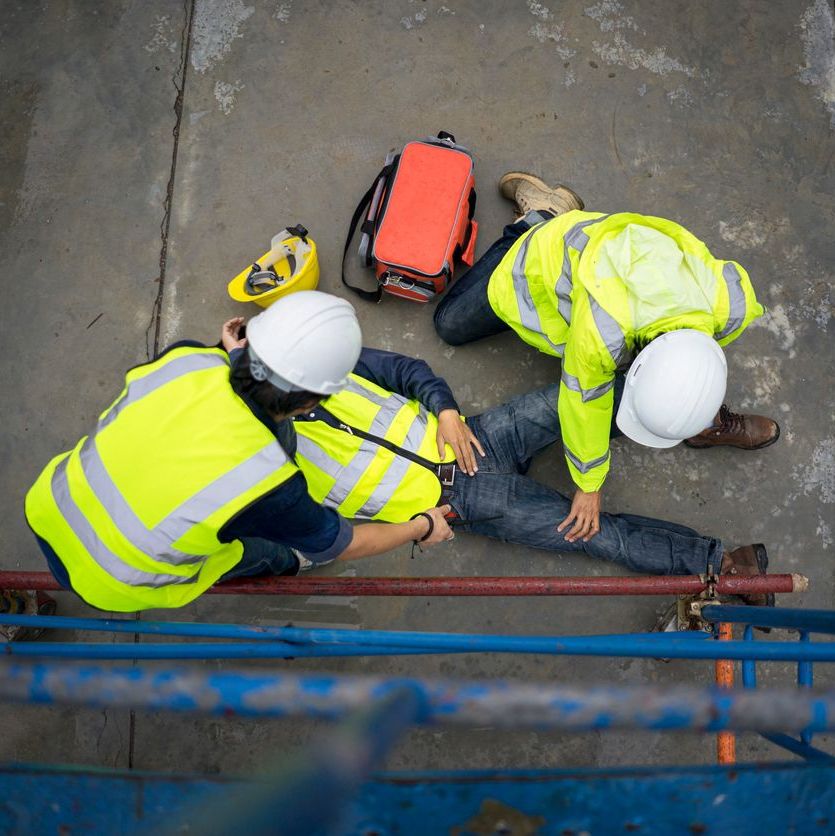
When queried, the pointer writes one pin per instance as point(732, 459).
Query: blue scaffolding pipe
point(480, 703)
point(301, 642)
point(812, 621)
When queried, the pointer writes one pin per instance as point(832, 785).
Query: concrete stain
point(225, 94)
point(217, 24)
point(817, 32)
point(166, 36)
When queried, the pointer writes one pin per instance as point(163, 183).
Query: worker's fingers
point(594, 528)
point(464, 455)
point(441, 443)
point(567, 521)
point(579, 529)
point(475, 442)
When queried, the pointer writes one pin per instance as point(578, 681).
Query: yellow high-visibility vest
point(359, 478)
point(134, 510)
point(593, 289)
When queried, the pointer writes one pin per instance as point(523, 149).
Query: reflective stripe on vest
point(586, 394)
point(585, 467)
point(111, 563)
point(158, 541)
point(347, 478)
point(577, 239)
point(736, 300)
point(528, 313)
point(610, 331)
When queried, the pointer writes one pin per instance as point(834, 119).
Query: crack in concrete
point(179, 82)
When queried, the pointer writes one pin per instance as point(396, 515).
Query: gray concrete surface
point(717, 114)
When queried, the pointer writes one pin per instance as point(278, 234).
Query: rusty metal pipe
point(469, 586)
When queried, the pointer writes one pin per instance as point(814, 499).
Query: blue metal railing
point(296, 642)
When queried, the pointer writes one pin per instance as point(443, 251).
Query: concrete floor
point(145, 162)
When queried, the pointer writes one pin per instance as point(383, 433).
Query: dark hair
point(264, 394)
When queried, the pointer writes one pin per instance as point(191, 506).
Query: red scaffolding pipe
point(486, 586)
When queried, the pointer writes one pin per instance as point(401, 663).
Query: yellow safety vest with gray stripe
point(593, 289)
point(359, 478)
point(133, 512)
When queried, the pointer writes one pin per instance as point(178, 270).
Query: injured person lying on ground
point(393, 443)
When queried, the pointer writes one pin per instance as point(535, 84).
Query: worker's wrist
point(422, 527)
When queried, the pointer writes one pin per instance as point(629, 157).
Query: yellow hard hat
point(291, 264)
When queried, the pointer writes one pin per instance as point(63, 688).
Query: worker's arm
point(413, 378)
point(585, 405)
point(407, 376)
point(375, 538)
point(289, 516)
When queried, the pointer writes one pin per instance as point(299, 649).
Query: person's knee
point(444, 329)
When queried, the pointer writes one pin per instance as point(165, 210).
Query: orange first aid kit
point(418, 220)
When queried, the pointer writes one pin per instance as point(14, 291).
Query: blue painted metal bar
point(648, 646)
point(201, 650)
point(501, 704)
point(805, 679)
point(798, 747)
point(749, 666)
point(314, 643)
point(814, 621)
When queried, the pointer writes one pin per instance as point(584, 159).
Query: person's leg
point(514, 432)
point(264, 557)
point(464, 314)
point(528, 513)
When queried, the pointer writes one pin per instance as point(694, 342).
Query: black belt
point(446, 474)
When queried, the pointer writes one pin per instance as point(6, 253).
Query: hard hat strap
point(261, 371)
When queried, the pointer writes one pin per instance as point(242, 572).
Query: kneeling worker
point(607, 292)
point(189, 475)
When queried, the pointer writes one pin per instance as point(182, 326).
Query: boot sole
point(692, 446)
point(535, 181)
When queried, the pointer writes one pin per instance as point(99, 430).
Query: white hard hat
point(673, 389)
point(307, 341)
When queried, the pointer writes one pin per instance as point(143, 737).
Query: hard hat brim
point(632, 428)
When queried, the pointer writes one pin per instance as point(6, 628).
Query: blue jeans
point(528, 512)
point(263, 557)
point(464, 314)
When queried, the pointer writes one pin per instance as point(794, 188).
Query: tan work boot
point(748, 560)
point(529, 193)
point(730, 429)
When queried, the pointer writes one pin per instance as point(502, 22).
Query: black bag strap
point(368, 295)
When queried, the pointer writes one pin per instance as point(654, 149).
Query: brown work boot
point(529, 193)
point(747, 561)
point(730, 429)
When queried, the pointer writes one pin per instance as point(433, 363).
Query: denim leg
point(465, 314)
point(528, 514)
point(513, 433)
point(263, 557)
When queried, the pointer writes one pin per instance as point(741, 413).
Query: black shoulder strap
point(331, 420)
point(368, 295)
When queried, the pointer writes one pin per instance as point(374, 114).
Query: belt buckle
point(447, 481)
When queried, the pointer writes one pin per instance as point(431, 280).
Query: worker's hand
point(229, 334)
point(453, 431)
point(584, 517)
point(441, 531)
